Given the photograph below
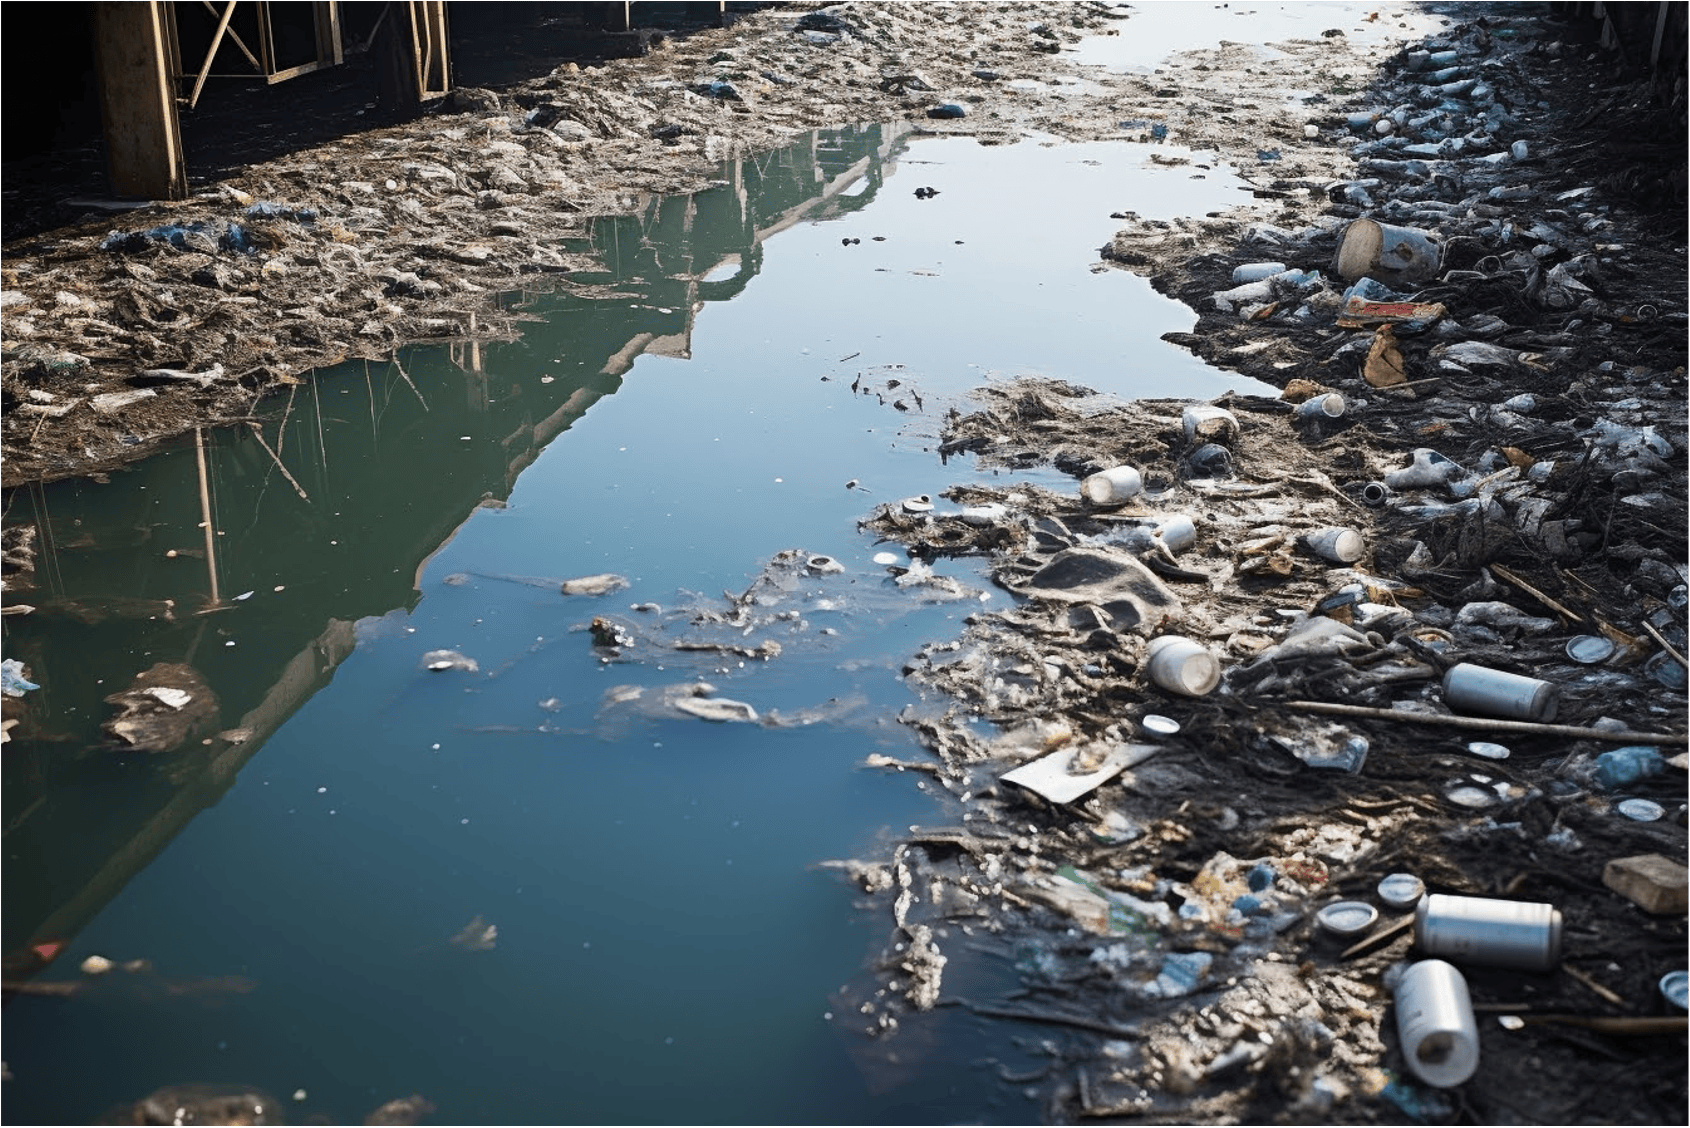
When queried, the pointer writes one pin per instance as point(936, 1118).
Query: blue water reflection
point(666, 947)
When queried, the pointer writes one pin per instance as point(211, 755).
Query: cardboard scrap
point(1359, 313)
point(1384, 366)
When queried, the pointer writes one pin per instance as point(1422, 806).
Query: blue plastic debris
point(1625, 766)
point(1416, 1103)
point(1266, 155)
point(206, 238)
point(1159, 132)
point(12, 681)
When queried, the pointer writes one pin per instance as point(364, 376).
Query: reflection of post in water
point(466, 355)
point(205, 518)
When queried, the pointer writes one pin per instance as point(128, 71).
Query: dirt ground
point(1161, 922)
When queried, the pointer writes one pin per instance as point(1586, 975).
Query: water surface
point(666, 947)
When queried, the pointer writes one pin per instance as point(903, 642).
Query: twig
point(1676, 656)
point(205, 512)
point(282, 427)
point(1490, 724)
point(258, 433)
point(1379, 939)
point(408, 383)
point(317, 404)
point(1535, 594)
point(1407, 384)
point(1593, 985)
point(1670, 1025)
point(1054, 1018)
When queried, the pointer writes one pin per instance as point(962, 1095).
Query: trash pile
point(414, 232)
point(1322, 755)
point(1317, 767)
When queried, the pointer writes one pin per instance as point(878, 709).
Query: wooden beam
point(211, 53)
point(137, 106)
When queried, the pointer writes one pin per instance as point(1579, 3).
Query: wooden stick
point(1490, 724)
point(282, 427)
point(1676, 656)
point(1407, 384)
point(258, 433)
point(407, 378)
point(1670, 1025)
point(1535, 594)
point(1378, 939)
point(205, 511)
point(1593, 985)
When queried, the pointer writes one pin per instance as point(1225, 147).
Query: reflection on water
point(490, 886)
point(1151, 33)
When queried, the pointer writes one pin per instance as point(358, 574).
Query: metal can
point(1483, 930)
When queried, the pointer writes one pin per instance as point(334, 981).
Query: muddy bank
point(121, 335)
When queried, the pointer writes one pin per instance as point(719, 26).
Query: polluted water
point(512, 714)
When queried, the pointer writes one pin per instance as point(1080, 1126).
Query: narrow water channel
point(525, 893)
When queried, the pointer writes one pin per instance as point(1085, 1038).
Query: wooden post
point(143, 133)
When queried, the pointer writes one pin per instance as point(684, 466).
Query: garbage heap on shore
point(1369, 694)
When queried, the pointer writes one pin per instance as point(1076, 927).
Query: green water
point(667, 948)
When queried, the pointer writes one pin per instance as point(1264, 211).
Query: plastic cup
point(1206, 423)
point(1339, 545)
point(1182, 666)
point(1329, 406)
point(1177, 532)
point(1255, 272)
point(1113, 486)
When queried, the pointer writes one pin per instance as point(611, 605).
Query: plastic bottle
point(1435, 1024)
point(1113, 486)
point(1623, 767)
point(1429, 468)
point(1180, 665)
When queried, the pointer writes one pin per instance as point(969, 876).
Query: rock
point(948, 110)
point(1653, 882)
point(1116, 581)
point(472, 100)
